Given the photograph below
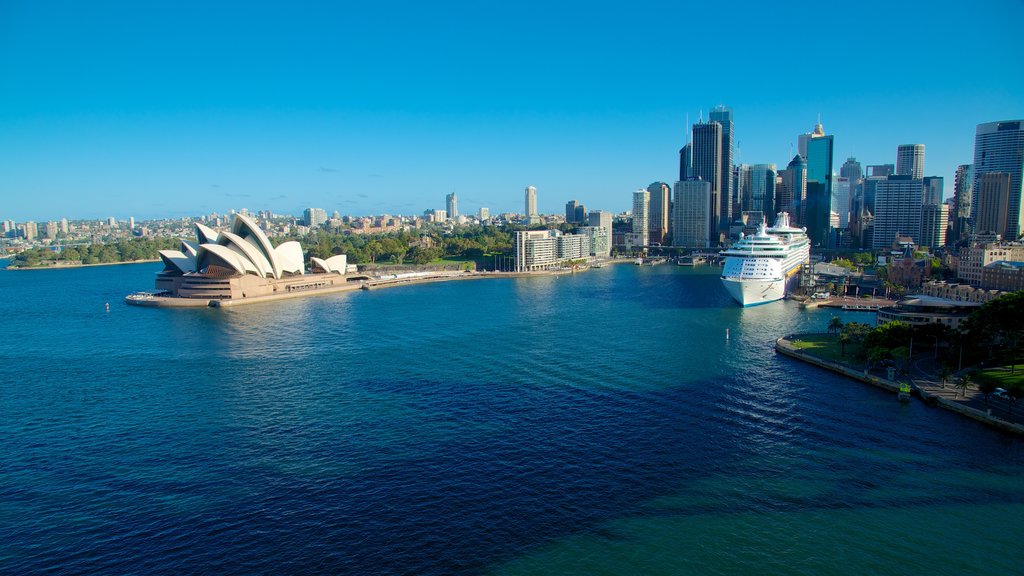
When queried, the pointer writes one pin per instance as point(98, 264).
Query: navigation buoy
point(108, 306)
point(726, 333)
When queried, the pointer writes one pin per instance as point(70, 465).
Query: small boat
point(904, 394)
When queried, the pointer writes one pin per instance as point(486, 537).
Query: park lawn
point(825, 346)
point(1003, 378)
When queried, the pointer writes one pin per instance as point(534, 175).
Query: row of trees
point(121, 251)
point(409, 247)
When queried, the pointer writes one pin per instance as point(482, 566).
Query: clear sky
point(154, 109)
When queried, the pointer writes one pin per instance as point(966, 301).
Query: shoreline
point(784, 346)
point(147, 300)
point(71, 266)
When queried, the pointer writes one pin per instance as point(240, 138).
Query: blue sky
point(154, 109)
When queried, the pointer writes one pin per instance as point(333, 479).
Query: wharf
point(929, 392)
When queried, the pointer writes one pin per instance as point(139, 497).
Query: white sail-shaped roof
point(205, 234)
point(223, 257)
point(177, 261)
point(244, 227)
point(333, 265)
point(289, 258)
point(249, 250)
point(189, 249)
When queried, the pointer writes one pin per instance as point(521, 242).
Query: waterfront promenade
point(925, 385)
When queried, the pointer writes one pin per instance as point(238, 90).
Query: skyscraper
point(691, 214)
point(755, 186)
point(314, 217)
point(686, 161)
point(910, 160)
point(658, 222)
point(793, 189)
point(993, 204)
point(531, 205)
point(963, 186)
point(641, 215)
point(999, 147)
point(723, 115)
point(934, 189)
point(707, 165)
point(570, 211)
point(934, 221)
point(818, 209)
point(851, 169)
point(451, 203)
point(841, 201)
point(897, 210)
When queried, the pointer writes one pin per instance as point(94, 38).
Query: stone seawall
point(785, 347)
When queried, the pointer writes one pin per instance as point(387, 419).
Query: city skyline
point(154, 112)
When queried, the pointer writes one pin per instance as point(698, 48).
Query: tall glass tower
point(723, 115)
point(999, 147)
point(707, 165)
point(818, 211)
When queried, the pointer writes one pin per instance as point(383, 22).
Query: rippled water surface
point(599, 423)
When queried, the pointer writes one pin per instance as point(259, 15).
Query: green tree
point(944, 374)
point(835, 325)
point(963, 383)
point(844, 339)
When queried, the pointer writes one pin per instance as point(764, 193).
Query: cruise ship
point(763, 267)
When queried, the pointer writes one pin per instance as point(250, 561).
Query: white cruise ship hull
point(749, 292)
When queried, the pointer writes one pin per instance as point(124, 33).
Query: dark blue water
point(595, 423)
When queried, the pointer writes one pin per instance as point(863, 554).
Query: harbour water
point(597, 423)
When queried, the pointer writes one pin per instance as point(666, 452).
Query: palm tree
point(835, 325)
point(962, 383)
point(844, 339)
point(944, 374)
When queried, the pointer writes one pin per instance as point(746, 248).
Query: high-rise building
point(755, 186)
point(793, 189)
point(707, 165)
point(692, 207)
point(314, 217)
point(881, 170)
point(658, 222)
point(485, 214)
point(934, 221)
point(963, 187)
point(723, 115)
point(570, 211)
point(64, 228)
point(910, 160)
point(852, 171)
point(934, 189)
point(993, 204)
point(51, 230)
point(999, 147)
point(451, 204)
point(112, 222)
point(531, 205)
point(131, 222)
point(841, 201)
point(818, 209)
point(641, 216)
point(686, 161)
point(31, 230)
point(897, 210)
point(581, 213)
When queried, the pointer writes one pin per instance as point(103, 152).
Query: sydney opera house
point(242, 263)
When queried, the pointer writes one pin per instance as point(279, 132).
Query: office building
point(451, 204)
point(692, 214)
point(934, 222)
point(910, 160)
point(818, 211)
point(999, 147)
point(485, 214)
point(933, 189)
point(64, 228)
point(841, 202)
point(993, 196)
point(314, 217)
point(532, 217)
point(686, 161)
point(641, 216)
point(882, 170)
point(723, 115)
point(755, 186)
point(975, 258)
point(570, 211)
point(963, 190)
point(897, 210)
point(707, 165)
point(792, 190)
point(659, 215)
